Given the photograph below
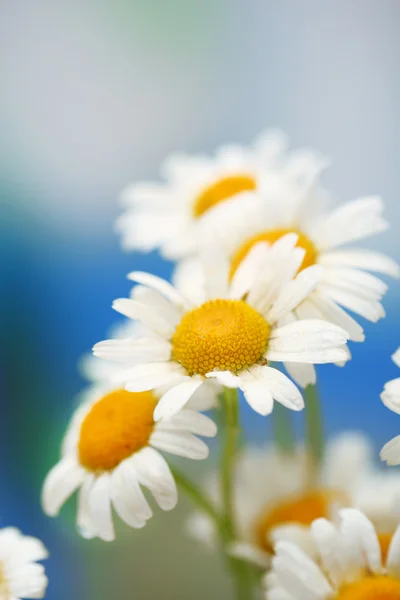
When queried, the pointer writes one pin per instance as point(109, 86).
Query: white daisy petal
point(295, 291)
point(180, 444)
point(130, 350)
point(149, 376)
point(176, 398)
point(396, 357)
point(249, 553)
point(303, 374)
point(393, 558)
point(157, 303)
point(354, 220)
point(127, 497)
point(137, 311)
point(191, 421)
point(391, 395)
point(256, 390)
point(216, 271)
point(205, 397)
point(247, 271)
point(100, 507)
point(280, 387)
point(327, 539)
point(361, 259)
point(160, 285)
point(60, 484)
point(83, 519)
point(311, 333)
point(367, 308)
point(390, 452)
point(301, 575)
point(329, 311)
point(360, 541)
point(355, 281)
point(154, 473)
point(225, 378)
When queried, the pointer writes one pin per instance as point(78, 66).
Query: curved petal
point(61, 482)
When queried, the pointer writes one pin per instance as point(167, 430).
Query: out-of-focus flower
point(275, 500)
point(349, 565)
point(169, 215)
point(230, 335)
point(391, 398)
point(344, 283)
point(20, 574)
point(111, 449)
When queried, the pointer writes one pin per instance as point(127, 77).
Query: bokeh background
point(93, 95)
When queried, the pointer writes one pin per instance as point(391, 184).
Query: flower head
point(169, 215)
point(111, 450)
point(391, 398)
point(350, 564)
point(344, 283)
point(20, 574)
point(274, 498)
point(231, 335)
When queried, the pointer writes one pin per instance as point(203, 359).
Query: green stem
point(314, 430)
point(230, 406)
point(241, 572)
point(283, 432)
point(197, 497)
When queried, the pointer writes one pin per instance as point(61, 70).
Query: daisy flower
point(167, 215)
point(111, 450)
point(344, 285)
point(391, 398)
point(20, 574)
point(230, 336)
point(350, 564)
point(274, 499)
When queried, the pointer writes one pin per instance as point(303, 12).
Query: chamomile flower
point(350, 564)
point(231, 335)
point(391, 398)
point(275, 500)
point(344, 284)
point(167, 215)
point(21, 576)
point(111, 450)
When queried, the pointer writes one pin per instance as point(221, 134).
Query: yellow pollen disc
point(300, 509)
point(222, 190)
point(385, 540)
point(116, 427)
point(220, 335)
point(271, 237)
point(378, 587)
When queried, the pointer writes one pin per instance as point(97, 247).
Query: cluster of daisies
point(262, 291)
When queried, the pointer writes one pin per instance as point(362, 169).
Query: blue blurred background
point(93, 96)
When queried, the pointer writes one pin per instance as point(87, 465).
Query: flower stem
point(241, 572)
point(284, 436)
point(230, 406)
point(197, 496)
point(314, 430)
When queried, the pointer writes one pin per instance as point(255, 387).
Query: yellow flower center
point(271, 237)
point(301, 509)
point(222, 190)
point(220, 335)
point(116, 427)
point(372, 587)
